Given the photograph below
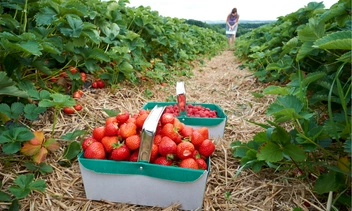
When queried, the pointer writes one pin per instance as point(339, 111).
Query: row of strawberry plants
point(309, 52)
point(51, 49)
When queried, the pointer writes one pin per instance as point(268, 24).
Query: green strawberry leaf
point(270, 152)
point(295, 152)
point(331, 181)
point(72, 150)
point(32, 112)
point(4, 196)
point(73, 135)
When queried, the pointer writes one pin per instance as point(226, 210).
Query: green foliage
point(12, 138)
point(308, 52)
point(24, 184)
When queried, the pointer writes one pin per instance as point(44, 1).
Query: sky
point(215, 10)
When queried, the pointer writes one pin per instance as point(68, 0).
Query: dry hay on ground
point(220, 81)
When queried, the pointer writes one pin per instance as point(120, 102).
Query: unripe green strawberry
point(95, 151)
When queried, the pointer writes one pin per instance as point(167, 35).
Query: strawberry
point(128, 129)
point(157, 139)
point(185, 150)
point(141, 119)
point(69, 110)
point(164, 161)
point(77, 95)
point(83, 76)
point(109, 143)
point(87, 141)
point(122, 117)
point(167, 118)
point(121, 152)
point(95, 151)
point(186, 131)
point(196, 138)
point(154, 153)
point(95, 85)
point(178, 125)
point(111, 129)
point(134, 156)
point(169, 131)
point(100, 84)
point(189, 163)
point(204, 131)
point(73, 70)
point(167, 147)
point(202, 164)
point(133, 142)
point(111, 120)
point(99, 133)
point(78, 107)
point(206, 148)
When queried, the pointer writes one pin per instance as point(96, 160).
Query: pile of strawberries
point(192, 111)
point(175, 144)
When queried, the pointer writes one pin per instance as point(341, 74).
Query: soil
point(221, 80)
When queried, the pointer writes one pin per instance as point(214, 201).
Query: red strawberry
point(186, 132)
point(99, 133)
point(109, 143)
point(204, 131)
point(128, 129)
point(196, 138)
point(167, 118)
point(167, 147)
point(78, 107)
point(121, 152)
point(87, 141)
point(111, 120)
point(134, 156)
point(95, 85)
point(189, 163)
point(202, 164)
point(122, 117)
point(154, 153)
point(95, 151)
point(133, 142)
point(169, 131)
point(185, 150)
point(206, 148)
point(141, 119)
point(69, 110)
point(163, 161)
point(178, 125)
point(157, 139)
point(111, 129)
point(100, 84)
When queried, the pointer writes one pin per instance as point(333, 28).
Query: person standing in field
point(231, 26)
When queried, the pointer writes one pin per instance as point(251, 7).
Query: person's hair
point(234, 10)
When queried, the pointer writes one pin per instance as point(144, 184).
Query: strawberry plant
point(311, 129)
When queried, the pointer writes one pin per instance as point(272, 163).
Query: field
point(219, 81)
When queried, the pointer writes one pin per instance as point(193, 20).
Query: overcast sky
point(204, 10)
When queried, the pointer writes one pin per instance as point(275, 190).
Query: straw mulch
point(219, 81)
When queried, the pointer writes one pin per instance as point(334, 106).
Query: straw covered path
point(220, 81)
